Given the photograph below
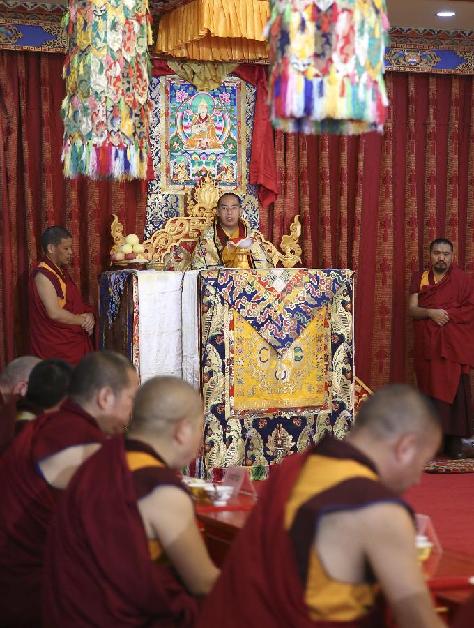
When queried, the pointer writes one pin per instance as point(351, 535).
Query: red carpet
point(449, 501)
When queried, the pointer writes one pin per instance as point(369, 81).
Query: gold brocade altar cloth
point(277, 367)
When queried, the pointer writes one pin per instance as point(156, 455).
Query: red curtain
point(34, 194)
point(373, 203)
point(370, 203)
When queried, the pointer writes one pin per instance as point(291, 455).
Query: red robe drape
point(464, 618)
point(260, 583)
point(26, 505)
point(50, 339)
point(98, 544)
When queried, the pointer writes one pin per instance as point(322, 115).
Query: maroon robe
point(464, 618)
point(261, 583)
point(26, 505)
point(443, 355)
point(98, 569)
point(7, 421)
point(48, 338)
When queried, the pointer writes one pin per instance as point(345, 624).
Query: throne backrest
point(172, 246)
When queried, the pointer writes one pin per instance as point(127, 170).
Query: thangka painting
point(203, 133)
point(277, 366)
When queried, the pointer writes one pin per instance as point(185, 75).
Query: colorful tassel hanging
point(327, 64)
point(106, 108)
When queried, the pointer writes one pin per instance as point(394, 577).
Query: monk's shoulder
point(61, 430)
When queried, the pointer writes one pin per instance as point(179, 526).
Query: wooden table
point(445, 572)
point(221, 525)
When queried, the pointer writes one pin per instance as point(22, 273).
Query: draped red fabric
point(262, 163)
point(263, 172)
point(34, 193)
point(28, 503)
point(375, 202)
point(120, 584)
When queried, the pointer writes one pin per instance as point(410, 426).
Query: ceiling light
point(445, 13)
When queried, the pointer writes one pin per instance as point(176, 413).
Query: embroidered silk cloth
point(271, 349)
point(276, 362)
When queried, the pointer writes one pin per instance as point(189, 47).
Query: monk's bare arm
point(438, 316)
point(58, 469)
point(169, 514)
point(49, 299)
point(388, 540)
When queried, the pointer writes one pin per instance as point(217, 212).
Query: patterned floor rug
point(446, 465)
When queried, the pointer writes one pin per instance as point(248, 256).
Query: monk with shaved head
point(38, 465)
point(125, 534)
point(13, 386)
point(330, 531)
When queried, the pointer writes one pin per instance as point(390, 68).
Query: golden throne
point(171, 248)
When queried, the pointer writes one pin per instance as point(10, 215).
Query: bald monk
point(125, 535)
point(13, 386)
point(38, 466)
point(61, 323)
point(330, 530)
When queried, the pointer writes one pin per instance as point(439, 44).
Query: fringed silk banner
point(327, 61)
point(106, 109)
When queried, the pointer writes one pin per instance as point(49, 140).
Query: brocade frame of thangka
point(202, 133)
point(277, 363)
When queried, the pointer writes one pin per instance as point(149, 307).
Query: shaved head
point(97, 370)
point(396, 409)
point(17, 372)
point(228, 195)
point(162, 402)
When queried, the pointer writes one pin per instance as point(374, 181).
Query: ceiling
point(422, 14)
point(414, 13)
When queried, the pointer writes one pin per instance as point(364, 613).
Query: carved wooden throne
point(171, 247)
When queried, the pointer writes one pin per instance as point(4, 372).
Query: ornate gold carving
point(362, 391)
point(161, 247)
point(206, 194)
point(289, 245)
point(116, 230)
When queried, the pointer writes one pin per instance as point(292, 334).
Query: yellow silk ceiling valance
point(215, 30)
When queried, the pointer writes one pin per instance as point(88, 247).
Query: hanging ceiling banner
point(327, 64)
point(106, 108)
